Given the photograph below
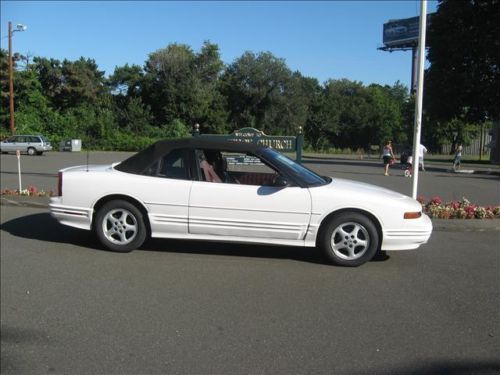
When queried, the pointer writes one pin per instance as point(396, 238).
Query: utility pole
point(11, 84)
point(420, 94)
point(19, 27)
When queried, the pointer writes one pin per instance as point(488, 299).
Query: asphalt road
point(482, 189)
point(68, 307)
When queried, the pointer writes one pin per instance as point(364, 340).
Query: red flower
point(436, 201)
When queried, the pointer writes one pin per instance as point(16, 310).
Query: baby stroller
point(408, 166)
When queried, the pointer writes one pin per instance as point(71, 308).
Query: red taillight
point(59, 184)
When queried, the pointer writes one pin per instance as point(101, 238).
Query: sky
point(320, 39)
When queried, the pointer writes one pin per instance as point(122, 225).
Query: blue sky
point(321, 39)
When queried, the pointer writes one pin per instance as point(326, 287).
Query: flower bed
point(463, 209)
point(30, 191)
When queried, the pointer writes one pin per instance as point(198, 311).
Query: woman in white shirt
point(388, 156)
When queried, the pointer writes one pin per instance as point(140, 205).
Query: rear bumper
point(416, 233)
point(77, 217)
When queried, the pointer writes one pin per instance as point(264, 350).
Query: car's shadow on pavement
point(43, 227)
point(302, 254)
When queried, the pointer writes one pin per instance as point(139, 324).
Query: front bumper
point(415, 233)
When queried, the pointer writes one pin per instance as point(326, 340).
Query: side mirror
point(280, 181)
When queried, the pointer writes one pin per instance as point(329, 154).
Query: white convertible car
point(202, 189)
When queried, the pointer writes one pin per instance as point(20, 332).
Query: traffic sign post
point(18, 154)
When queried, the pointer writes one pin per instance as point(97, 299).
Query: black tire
point(120, 227)
point(349, 239)
point(31, 151)
point(39, 152)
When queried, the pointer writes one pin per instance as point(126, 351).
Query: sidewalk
point(432, 165)
point(441, 225)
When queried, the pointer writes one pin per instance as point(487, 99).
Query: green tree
point(352, 115)
point(314, 129)
point(177, 129)
point(211, 113)
point(346, 113)
point(182, 84)
point(262, 92)
point(33, 113)
point(134, 117)
point(82, 83)
point(70, 83)
point(50, 75)
point(389, 120)
point(4, 88)
point(127, 80)
point(463, 80)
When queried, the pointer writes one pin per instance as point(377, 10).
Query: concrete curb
point(488, 172)
point(466, 225)
point(34, 202)
point(441, 225)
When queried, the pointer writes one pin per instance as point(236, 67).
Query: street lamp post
point(419, 99)
point(19, 27)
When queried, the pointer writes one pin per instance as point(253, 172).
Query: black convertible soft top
point(139, 162)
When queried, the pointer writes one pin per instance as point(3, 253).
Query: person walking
point(458, 158)
point(388, 157)
point(421, 151)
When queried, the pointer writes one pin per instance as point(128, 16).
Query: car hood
point(341, 193)
point(355, 187)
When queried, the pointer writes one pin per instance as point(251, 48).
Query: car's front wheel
point(31, 151)
point(119, 225)
point(350, 239)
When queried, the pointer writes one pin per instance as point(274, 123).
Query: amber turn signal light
point(412, 215)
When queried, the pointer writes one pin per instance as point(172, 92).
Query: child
point(458, 158)
point(409, 166)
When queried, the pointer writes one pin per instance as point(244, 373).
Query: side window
point(34, 140)
point(173, 165)
point(209, 163)
point(234, 168)
point(20, 139)
point(152, 170)
point(248, 169)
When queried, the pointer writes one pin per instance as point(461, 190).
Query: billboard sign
point(402, 32)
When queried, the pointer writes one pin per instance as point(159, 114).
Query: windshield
point(294, 169)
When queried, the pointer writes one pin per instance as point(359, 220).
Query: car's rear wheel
point(350, 239)
point(120, 226)
point(31, 151)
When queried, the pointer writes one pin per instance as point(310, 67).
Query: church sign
point(259, 138)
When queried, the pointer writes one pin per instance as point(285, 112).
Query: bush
point(127, 142)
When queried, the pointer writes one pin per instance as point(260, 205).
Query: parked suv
point(30, 144)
